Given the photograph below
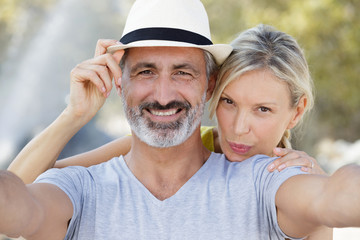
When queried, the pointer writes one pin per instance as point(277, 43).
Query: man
point(169, 186)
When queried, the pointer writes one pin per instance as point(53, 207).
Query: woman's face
point(253, 113)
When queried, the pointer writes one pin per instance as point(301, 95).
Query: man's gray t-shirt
point(223, 200)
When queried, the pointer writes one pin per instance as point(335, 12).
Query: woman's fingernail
point(271, 167)
point(119, 81)
point(305, 169)
point(281, 167)
point(103, 89)
point(108, 94)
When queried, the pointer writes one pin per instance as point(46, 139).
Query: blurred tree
point(10, 10)
point(18, 18)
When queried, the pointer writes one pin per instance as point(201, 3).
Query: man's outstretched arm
point(306, 202)
point(35, 211)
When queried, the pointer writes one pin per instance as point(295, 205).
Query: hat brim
point(219, 51)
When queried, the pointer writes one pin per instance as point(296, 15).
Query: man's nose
point(164, 90)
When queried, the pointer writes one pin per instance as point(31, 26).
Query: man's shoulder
point(80, 173)
point(113, 163)
point(256, 160)
point(252, 169)
point(219, 163)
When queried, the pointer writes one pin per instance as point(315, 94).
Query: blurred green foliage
point(15, 16)
point(10, 10)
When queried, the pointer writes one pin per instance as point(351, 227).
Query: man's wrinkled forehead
point(177, 57)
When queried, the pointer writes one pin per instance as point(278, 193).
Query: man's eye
point(183, 76)
point(182, 73)
point(145, 72)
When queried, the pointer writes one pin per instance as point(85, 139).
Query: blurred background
point(42, 40)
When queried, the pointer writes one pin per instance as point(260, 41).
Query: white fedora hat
point(174, 23)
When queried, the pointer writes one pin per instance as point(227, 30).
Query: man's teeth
point(163, 113)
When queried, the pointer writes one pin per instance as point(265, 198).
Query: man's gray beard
point(164, 135)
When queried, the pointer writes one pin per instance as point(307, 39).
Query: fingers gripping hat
point(170, 23)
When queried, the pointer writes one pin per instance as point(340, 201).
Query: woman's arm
point(30, 162)
point(120, 146)
point(41, 153)
point(290, 157)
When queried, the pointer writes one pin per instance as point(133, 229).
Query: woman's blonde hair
point(264, 47)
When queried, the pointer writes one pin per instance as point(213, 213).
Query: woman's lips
point(239, 148)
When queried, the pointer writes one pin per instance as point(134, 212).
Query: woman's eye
point(226, 100)
point(264, 109)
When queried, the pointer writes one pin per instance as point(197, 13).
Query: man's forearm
point(41, 153)
point(317, 200)
point(342, 198)
point(18, 210)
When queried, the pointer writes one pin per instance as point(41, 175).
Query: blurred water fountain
point(35, 82)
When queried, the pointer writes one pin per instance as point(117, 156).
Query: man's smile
point(164, 112)
point(166, 115)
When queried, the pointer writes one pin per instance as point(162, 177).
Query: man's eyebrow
point(186, 66)
point(142, 65)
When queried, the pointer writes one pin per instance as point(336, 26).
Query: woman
point(263, 91)
point(275, 97)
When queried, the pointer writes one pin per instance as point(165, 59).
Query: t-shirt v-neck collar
point(171, 200)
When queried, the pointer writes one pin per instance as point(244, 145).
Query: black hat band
point(166, 34)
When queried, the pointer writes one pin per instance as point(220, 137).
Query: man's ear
point(211, 85)
point(299, 112)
